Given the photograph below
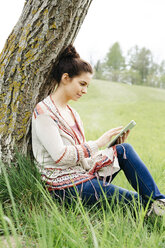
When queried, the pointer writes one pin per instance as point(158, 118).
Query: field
point(108, 105)
point(30, 218)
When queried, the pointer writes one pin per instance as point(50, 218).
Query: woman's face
point(77, 86)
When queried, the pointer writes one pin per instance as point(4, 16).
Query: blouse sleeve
point(48, 134)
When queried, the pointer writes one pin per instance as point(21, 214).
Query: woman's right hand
point(107, 136)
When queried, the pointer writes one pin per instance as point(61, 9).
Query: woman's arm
point(48, 133)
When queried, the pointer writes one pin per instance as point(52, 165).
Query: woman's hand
point(123, 138)
point(107, 136)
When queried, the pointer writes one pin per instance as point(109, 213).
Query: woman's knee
point(127, 146)
point(124, 148)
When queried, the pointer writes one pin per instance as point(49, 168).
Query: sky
point(129, 22)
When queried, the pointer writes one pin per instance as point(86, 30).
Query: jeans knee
point(127, 146)
point(124, 148)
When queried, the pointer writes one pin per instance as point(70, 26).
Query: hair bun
point(69, 52)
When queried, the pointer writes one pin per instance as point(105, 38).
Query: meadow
point(29, 217)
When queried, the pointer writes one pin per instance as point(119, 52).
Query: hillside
point(109, 105)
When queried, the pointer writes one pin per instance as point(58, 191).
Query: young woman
point(67, 162)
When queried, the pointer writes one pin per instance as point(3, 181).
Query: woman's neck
point(59, 98)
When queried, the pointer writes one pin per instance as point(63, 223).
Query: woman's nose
point(84, 90)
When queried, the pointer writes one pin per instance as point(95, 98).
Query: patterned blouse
point(62, 154)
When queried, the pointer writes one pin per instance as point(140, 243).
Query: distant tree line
point(137, 67)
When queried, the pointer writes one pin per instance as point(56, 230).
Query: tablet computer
point(124, 130)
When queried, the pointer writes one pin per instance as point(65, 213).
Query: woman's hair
point(70, 62)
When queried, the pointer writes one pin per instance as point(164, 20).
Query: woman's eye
point(84, 84)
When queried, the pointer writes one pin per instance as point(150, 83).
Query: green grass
point(30, 218)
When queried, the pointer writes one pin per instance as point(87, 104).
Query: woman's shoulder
point(43, 107)
point(39, 108)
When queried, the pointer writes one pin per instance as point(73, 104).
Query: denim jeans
point(136, 173)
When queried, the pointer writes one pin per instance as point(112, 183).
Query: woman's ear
point(65, 78)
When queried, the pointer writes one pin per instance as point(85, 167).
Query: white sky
point(130, 22)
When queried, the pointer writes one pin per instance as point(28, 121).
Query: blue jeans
point(136, 173)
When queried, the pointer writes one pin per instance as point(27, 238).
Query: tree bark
point(44, 28)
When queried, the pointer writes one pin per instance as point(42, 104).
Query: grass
point(29, 217)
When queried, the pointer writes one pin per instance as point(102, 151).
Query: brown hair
point(70, 62)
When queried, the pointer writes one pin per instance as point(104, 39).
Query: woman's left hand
point(123, 138)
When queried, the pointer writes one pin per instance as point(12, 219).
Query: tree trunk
point(45, 27)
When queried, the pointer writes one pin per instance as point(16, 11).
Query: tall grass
point(30, 217)
point(44, 222)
